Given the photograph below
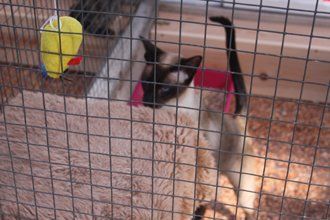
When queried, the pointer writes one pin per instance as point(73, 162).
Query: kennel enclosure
point(283, 48)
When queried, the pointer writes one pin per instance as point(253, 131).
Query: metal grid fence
point(62, 157)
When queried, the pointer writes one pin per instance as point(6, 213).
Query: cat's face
point(166, 75)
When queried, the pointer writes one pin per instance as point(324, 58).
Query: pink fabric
point(212, 79)
point(137, 95)
point(216, 79)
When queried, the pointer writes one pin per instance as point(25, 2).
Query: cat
point(174, 88)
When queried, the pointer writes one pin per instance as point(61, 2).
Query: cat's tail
point(234, 65)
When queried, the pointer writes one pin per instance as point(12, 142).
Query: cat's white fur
point(173, 76)
point(230, 161)
point(187, 99)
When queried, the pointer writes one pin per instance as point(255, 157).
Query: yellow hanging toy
point(60, 46)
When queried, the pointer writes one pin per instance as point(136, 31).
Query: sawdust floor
point(309, 156)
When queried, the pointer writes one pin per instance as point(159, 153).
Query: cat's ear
point(151, 50)
point(191, 64)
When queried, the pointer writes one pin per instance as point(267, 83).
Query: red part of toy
point(75, 61)
point(211, 79)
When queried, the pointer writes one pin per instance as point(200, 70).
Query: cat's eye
point(164, 89)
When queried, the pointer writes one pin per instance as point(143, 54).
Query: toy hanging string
point(61, 37)
point(51, 19)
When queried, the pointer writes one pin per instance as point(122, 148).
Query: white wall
point(281, 5)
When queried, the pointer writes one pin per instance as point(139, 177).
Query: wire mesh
point(78, 147)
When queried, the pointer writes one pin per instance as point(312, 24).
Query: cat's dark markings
point(162, 64)
point(165, 73)
point(234, 65)
point(199, 213)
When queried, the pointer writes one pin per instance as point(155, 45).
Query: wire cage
point(22, 19)
point(178, 110)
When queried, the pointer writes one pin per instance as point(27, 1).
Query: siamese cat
point(167, 80)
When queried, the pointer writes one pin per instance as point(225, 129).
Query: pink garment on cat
point(212, 79)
